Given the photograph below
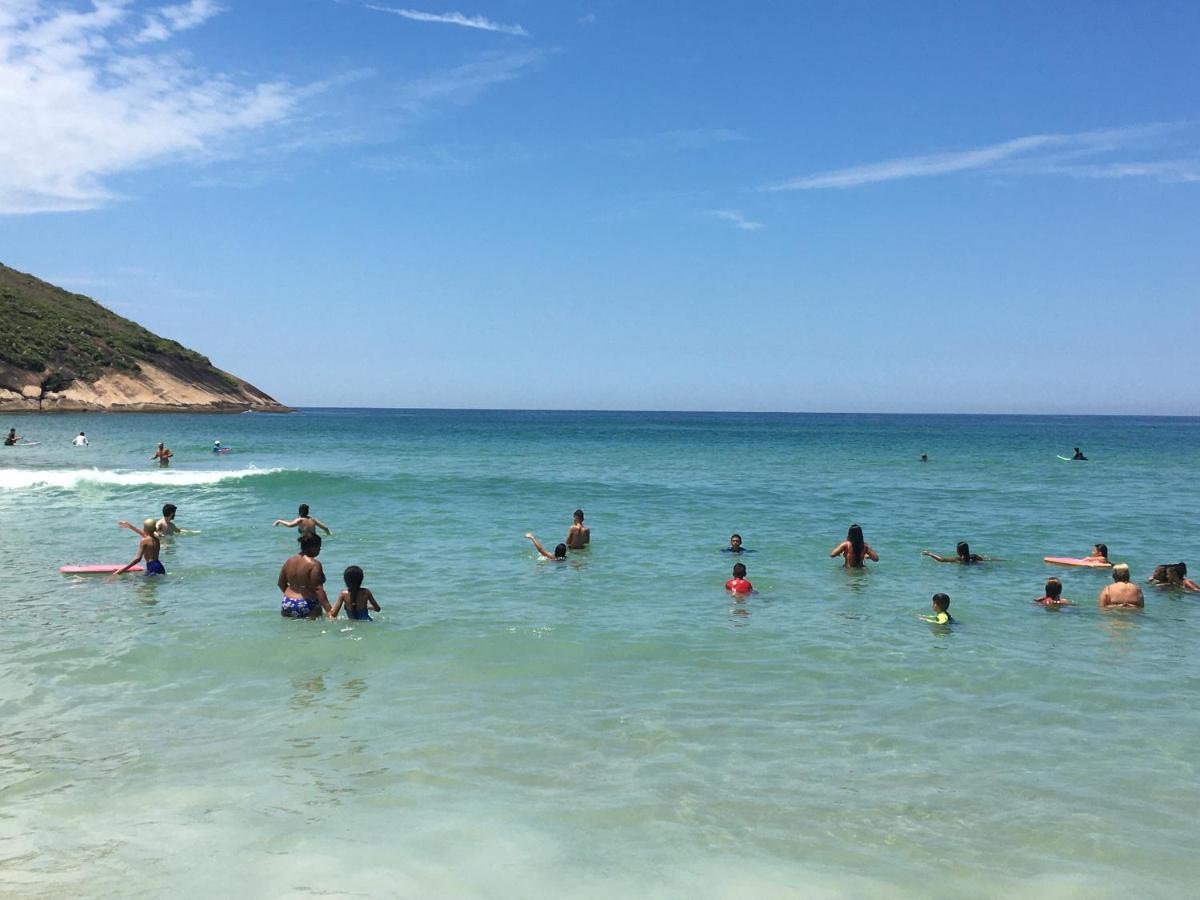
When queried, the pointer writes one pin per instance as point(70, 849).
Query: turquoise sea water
point(615, 725)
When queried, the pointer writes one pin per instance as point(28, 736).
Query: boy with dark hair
point(941, 611)
point(738, 583)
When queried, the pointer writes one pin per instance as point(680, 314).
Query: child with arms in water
point(358, 600)
point(941, 611)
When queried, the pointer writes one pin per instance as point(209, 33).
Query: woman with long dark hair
point(854, 550)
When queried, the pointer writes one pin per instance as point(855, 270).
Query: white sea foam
point(71, 479)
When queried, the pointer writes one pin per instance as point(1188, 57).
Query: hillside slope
point(64, 352)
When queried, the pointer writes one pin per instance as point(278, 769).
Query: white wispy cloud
point(736, 219)
point(668, 141)
point(1032, 154)
point(451, 18)
point(83, 100)
point(463, 83)
point(161, 23)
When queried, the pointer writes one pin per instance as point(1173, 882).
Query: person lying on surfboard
point(1099, 554)
point(963, 555)
point(148, 548)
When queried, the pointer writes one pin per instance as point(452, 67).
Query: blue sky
point(758, 206)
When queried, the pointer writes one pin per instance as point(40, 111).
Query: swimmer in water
point(302, 581)
point(560, 550)
point(358, 600)
point(1079, 455)
point(738, 583)
point(80, 440)
point(924, 457)
point(578, 535)
point(166, 525)
point(1053, 594)
point(12, 438)
point(163, 455)
point(941, 611)
point(148, 548)
point(304, 522)
point(855, 550)
point(1099, 554)
point(1174, 575)
point(963, 555)
point(735, 545)
point(1121, 594)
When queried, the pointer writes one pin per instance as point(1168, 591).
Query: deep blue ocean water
point(616, 724)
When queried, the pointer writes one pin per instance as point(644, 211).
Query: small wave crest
point(70, 479)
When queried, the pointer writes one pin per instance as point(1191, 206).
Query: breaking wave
point(70, 479)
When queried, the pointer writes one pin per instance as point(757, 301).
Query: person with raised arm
point(304, 522)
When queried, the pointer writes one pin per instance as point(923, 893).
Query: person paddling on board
point(163, 455)
point(306, 523)
point(12, 438)
point(148, 548)
point(578, 535)
point(560, 550)
point(302, 581)
point(80, 440)
point(962, 555)
point(1099, 554)
point(1079, 455)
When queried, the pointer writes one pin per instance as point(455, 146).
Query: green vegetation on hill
point(64, 336)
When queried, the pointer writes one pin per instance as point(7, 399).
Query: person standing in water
point(1053, 594)
point(163, 455)
point(306, 523)
point(80, 440)
point(148, 548)
point(578, 535)
point(855, 550)
point(1121, 594)
point(358, 600)
point(963, 555)
point(302, 581)
point(739, 584)
point(735, 545)
point(12, 439)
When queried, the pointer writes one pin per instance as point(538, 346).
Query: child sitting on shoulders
point(941, 611)
point(356, 598)
point(1053, 595)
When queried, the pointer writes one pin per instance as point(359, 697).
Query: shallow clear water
point(615, 724)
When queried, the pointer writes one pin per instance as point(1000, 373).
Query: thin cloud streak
point(736, 219)
point(668, 141)
point(1038, 153)
point(482, 23)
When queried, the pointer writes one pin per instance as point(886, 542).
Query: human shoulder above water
point(1121, 593)
point(854, 549)
point(962, 555)
point(578, 535)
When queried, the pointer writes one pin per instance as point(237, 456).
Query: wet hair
point(1120, 572)
point(1159, 575)
point(1103, 548)
point(963, 550)
point(304, 509)
point(1053, 588)
point(169, 509)
point(353, 576)
point(578, 514)
point(739, 570)
point(734, 535)
point(1172, 573)
point(309, 542)
point(941, 602)
point(857, 544)
point(560, 551)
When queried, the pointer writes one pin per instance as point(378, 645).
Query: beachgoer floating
point(304, 522)
point(1052, 595)
point(854, 549)
point(148, 548)
point(163, 455)
point(358, 600)
point(1078, 455)
point(1173, 575)
point(302, 581)
point(560, 550)
point(962, 555)
point(166, 525)
point(578, 535)
point(80, 440)
point(735, 545)
point(941, 610)
point(738, 583)
point(1121, 594)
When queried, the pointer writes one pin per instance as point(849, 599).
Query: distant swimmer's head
point(735, 542)
point(739, 570)
point(1053, 588)
point(941, 602)
point(1100, 550)
point(578, 516)
point(150, 524)
point(353, 576)
point(560, 551)
point(169, 510)
point(81, 434)
point(304, 510)
point(924, 457)
point(310, 544)
point(963, 550)
point(160, 445)
point(1120, 572)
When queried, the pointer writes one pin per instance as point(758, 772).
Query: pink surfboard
point(96, 570)
point(1073, 561)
